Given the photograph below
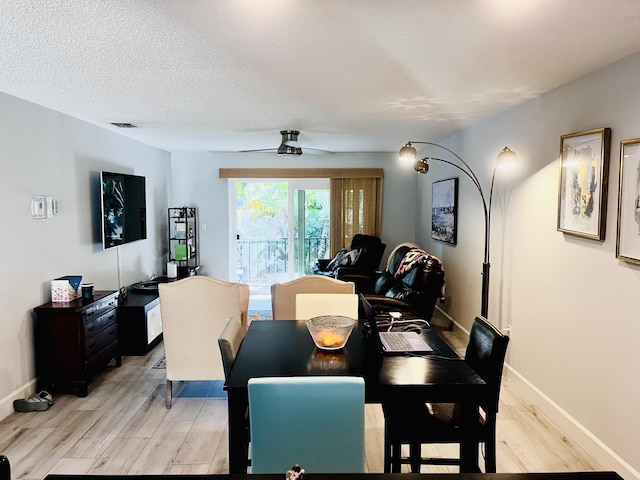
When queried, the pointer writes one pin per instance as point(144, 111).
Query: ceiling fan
point(289, 146)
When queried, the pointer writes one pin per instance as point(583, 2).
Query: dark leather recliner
point(412, 282)
point(368, 249)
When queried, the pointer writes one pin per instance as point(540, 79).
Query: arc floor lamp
point(506, 158)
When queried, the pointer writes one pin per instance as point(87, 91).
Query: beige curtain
point(356, 207)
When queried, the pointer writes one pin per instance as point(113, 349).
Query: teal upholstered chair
point(316, 422)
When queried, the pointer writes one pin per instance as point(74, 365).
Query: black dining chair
point(229, 342)
point(415, 424)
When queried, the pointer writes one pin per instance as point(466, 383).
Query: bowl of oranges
point(330, 332)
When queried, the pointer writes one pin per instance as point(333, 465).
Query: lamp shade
point(408, 153)
point(421, 166)
point(507, 158)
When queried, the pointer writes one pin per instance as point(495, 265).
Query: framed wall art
point(444, 210)
point(584, 175)
point(628, 237)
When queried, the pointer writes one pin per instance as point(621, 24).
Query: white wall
point(47, 153)
point(571, 303)
point(196, 182)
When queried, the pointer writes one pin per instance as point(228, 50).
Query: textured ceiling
point(353, 76)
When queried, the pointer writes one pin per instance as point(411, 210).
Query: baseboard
point(591, 444)
point(6, 404)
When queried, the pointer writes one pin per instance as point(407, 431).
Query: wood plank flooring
point(123, 427)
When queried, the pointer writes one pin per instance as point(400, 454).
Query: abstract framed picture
point(444, 210)
point(628, 237)
point(584, 176)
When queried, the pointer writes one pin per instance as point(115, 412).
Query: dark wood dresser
point(74, 340)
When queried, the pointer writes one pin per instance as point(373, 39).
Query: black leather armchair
point(367, 250)
point(412, 282)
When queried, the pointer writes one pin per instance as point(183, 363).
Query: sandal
point(31, 404)
point(44, 395)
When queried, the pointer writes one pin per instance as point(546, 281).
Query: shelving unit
point(183, 240)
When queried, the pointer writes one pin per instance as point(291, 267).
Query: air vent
point(124, 125)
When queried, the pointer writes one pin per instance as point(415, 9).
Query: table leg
point(237, 403)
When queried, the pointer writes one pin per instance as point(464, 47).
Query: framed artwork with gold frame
point(584, 176)
point(628, 235)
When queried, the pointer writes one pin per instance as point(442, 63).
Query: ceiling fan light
point(289, 145)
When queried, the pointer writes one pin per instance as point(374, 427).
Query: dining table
point(276, 348)
point(599, 475)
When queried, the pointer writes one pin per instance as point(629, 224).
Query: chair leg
point(490, 452)
point(387, 453)
point(392, 457)
point(396, 464)
point(490, 444)
point(168, 401)
point(415, 455)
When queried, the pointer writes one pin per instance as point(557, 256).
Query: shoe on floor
point(31, 404)
point(44, 395)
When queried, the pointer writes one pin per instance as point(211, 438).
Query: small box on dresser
point(74, 340)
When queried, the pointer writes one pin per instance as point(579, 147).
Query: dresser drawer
point(92, 327)
point(102, 338)
point(101, 357)
point(100, 307)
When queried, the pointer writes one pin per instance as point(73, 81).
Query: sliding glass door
point(281, 228)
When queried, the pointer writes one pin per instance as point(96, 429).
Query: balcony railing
point(265, 261)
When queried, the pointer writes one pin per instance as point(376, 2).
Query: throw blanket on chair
point(418, 258)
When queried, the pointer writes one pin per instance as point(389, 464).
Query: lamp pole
point(422, 166)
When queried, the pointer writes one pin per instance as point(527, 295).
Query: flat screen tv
point(124, 211)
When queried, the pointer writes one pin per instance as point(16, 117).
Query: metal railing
point(262, 261)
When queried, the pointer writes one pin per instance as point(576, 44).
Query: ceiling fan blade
point(258, 150)
point(289, 146)
point(315, 151)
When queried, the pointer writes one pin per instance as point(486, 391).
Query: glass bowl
point(330, 332)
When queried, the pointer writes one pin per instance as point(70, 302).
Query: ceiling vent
point(124, 125)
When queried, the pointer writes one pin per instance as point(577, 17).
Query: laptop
point(394, 342)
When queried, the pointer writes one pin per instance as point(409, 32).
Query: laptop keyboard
point(396, 341)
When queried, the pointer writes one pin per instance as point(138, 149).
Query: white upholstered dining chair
point(195, 311)
point(283, 295)
point(315, 304)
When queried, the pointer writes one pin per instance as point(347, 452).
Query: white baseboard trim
point(6, 404)
point(591, 444)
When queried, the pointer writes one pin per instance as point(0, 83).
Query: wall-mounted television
point(124, 211)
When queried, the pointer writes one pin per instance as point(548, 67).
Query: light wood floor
point(123, 427)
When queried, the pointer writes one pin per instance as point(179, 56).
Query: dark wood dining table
point(356, 476)
point(273, 348)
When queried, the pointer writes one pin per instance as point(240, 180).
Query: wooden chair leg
point(490, 454)
point(169, 391)
point(395, 465)
point(490, 444)
point(415, 454)
point(387, 455)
